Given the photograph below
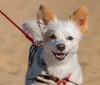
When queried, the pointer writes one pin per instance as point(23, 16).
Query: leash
point(27, 36)
point(30, 38)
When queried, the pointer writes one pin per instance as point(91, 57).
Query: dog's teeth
point(60, 56)
point(57, 56)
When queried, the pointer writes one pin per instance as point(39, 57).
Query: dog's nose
point(61, 47)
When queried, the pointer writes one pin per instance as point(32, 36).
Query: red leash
point(27, 36)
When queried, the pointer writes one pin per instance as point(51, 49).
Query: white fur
point(60, 69)
point(62, 29)
point(32, 29)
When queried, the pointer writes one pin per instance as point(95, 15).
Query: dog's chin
point(60, 56)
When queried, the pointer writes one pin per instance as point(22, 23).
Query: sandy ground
point(14, 46)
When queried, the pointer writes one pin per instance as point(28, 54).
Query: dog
point(60, 46)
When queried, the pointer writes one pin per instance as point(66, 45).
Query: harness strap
point(59, 81)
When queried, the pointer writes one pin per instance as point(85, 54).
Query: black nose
point(61, 47)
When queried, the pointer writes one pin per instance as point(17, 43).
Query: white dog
point(60, 47)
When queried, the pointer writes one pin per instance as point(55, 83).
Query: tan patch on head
point(45, 15)
point(80, 16)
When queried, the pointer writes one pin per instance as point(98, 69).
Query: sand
point(14, 46)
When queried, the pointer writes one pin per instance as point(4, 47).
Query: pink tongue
point(61, 56)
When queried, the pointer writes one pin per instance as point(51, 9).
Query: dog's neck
point(63, 68)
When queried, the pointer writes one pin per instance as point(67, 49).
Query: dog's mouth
point(60, 56)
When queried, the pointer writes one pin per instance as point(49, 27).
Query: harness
point(61, 81)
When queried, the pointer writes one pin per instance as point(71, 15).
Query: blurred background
point(14, 46)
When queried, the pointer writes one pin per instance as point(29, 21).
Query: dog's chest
point(60, 71)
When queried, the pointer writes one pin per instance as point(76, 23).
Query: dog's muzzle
point(60, 56)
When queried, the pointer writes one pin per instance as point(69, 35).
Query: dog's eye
point(52, 36)
point(70, 38)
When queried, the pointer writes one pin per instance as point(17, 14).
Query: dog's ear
point(80, 17)
point(45, 16)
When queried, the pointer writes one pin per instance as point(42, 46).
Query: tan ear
point(80, 16)
point(45, 15)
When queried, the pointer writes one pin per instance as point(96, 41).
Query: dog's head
point(61, 38)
